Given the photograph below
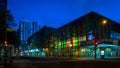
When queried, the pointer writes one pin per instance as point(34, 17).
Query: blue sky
point(55, 13)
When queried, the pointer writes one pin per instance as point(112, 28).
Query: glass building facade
point(78, 37)
point(26, 29)
point(37, 42)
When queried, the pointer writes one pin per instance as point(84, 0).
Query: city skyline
point(26, 29)
point(58, 13)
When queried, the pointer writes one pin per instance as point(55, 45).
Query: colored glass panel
point(65, 42)
point(81, 38)
point(59, 47)
point(55, 47)
point(77, 39)
point(51, 45)
point(59, 43)
point(90, 37)
point(84, 38)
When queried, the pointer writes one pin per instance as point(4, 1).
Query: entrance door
point(108, 52)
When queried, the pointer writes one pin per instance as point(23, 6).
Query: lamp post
point(5, 54)
point(96, 42)
point(103, 23)
point(5, 41)
point(95, 45)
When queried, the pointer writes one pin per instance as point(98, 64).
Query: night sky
point(55, 13)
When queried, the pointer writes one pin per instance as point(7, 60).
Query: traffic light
point(5, 43)
point(96, 43)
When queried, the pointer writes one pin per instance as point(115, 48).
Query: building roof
point(114, 25)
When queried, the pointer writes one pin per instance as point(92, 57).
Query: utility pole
point(96, 43)
point(5, 41)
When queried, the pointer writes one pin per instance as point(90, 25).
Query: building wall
point(27, 29)
point(78, 33)
point(39, 41)
point(78, 37)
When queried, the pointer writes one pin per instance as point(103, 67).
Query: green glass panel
point(55, 46)
point(73, 34)
point(76, 40)
point(59, 43)
point(65, 42)
point(51, 45)
point(84, 38)
point(59, 47)
point(76, 44)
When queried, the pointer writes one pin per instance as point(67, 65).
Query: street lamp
point(104, 22)
point(96, 43)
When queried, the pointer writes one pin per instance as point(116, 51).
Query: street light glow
point(104, 22)
point(70, 45)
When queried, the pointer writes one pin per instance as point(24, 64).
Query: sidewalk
point(37, 58)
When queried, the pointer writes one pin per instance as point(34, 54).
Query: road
point(68, 63)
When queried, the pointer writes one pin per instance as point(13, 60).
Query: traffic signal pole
point(96, 43)
point(5, 41)
point(5, 59)
point(95, 56)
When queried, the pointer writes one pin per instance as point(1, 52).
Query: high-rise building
point(3, 5)
point(35, 27)
point(26, 29)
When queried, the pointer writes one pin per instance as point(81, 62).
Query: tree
point(13, 37)
point(10, 19)
point(6, 30)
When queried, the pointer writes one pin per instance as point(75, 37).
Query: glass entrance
point(86, 52)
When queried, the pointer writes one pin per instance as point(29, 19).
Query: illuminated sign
point(90, 37)
point(102, 52)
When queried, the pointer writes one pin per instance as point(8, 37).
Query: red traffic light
point(96, 43)
point(5, 43)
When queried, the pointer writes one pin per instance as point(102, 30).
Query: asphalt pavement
point(43, 62)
